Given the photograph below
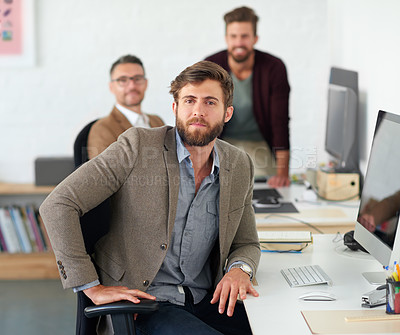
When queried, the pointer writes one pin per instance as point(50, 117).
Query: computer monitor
point(378, 216)
point(341, 135)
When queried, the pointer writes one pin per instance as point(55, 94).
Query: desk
point(277, 309)
point(328, 216)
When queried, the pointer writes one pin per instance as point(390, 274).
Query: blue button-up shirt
point(187, 262)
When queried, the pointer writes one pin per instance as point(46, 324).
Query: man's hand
point(233, 283)
point(279, 181)
point(281, 178)
point(101, 294)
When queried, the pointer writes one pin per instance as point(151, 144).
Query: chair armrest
point(122, 307)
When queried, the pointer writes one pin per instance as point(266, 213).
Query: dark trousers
point(193, 319)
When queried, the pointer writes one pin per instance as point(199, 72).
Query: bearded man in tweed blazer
point(182, 229)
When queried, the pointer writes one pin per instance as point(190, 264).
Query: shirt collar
point(132, 117)
point(184, 154)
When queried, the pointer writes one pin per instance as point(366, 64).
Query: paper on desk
point(333, 322)
point(285, 236)
point(284, 241)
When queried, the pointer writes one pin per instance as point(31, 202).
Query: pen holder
point(392, 296)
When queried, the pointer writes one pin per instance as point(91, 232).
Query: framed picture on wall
point(17, 35)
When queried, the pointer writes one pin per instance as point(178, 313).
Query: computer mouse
point(318, 296)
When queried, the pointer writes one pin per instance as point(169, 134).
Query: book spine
point(2, 241)
point(28, 227)
point(35, 227)
point(9, 233)
point(45, 236)
point(20, 229)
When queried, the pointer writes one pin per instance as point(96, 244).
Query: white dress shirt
point(135, 119)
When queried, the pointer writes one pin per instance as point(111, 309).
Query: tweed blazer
point(140, 172)
point(106, 130)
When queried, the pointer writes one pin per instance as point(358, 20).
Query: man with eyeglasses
point(128, 83)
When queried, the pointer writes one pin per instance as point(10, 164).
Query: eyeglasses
point(124, 81)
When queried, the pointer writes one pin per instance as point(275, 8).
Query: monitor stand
point(375, 278)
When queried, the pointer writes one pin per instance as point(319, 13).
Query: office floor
point(36, 307)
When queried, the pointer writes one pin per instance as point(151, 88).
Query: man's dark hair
point(199, 72)
point(242, 14)
point(127, 59)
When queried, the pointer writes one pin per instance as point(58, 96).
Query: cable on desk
point(338, 237)
point(297, 220)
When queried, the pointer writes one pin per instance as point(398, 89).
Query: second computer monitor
point(377, 227)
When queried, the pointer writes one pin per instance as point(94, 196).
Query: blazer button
point(59, 262)
point(163, 246)
point(65, 276)
point(145, 283)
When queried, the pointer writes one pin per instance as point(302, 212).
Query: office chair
point(80, 145)
point(94, 225)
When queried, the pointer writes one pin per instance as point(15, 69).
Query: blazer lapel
point(172, 167)
point(225, 178)
point(120, 119)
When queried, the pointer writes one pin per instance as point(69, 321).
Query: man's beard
point(134, 102)
point(198, 137)
point(242, 58)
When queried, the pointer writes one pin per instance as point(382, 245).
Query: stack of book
point(22, 230)
point(284, 241)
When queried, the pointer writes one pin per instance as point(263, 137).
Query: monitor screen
point(335, 120)
point(378, 216)
point(341, 134)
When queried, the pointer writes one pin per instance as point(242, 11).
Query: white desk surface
point(329, 216)
point(278, 310)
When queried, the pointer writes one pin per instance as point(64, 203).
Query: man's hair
point(127, 59)
point(199, 72)
point(242, 14)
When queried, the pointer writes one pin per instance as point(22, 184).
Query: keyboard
point(305, 276)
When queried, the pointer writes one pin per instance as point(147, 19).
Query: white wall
point(364, 37)
point(42, 108)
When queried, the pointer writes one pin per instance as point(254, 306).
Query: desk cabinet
point(36, 265)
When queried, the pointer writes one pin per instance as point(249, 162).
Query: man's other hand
point(234, 283)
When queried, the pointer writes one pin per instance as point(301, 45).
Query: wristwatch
point(245, 268)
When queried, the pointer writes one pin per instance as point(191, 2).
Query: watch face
point(246, 268)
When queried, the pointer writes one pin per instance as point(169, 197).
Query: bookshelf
point(26, 189)
point(37, 265)
point(19, 266)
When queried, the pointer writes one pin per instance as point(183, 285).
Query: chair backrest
point(80, 146)
point(94, 224)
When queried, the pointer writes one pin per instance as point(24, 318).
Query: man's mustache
point(197, 120)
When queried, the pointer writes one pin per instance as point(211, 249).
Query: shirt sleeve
point(86, 286)
point(240, 263)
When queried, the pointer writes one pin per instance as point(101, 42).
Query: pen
point(397, 289)
point(395, 275)
point(387, 271)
